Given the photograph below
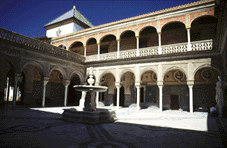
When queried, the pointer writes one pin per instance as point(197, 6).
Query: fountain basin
point(96, 117)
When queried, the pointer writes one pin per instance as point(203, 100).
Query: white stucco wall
point(65, 29)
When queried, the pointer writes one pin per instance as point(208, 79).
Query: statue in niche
point(220, 87)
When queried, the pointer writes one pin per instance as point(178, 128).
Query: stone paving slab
point(32, 128)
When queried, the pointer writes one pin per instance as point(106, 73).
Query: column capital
point(85, 45)
point(188, 27)
point(137, 36)
point(160, 83)
point(46, 80)
point(98, 43)
point(96, 83)
point(118, 84)
point(159, 32)
point(118, 39)
point(66, 82)
point(190, 82)
point(137, 84)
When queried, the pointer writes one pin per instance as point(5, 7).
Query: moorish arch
point(204, 91)
point(127, 40)
point(149, 89)
point(77, 47)
point(31, 84)
point(91, 47)
point(6, 80)
point(79, 74)
point(108, 43)
point(127, 90)
point(74, 96)
point(148, 37)
point(204, 28)
point(175, 90)
point(173, 33)
point(55, 89)
point(108, 97)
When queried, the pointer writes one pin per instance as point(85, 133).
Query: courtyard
point(44, 127)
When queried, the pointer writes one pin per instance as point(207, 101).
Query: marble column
point(45, 81)
point(16, 79)
point(97, 99)
point(138, 97)
point(137, 46)
point(66, 83)
point(191, 98)
point(159, 43)
point(118, 94)
point(118, 48)
point(85, 51)
point(189, 39)
point(160, 86)
point(98, 51)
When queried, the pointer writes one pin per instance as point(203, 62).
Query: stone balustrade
point(166, 49)
point(40, 46)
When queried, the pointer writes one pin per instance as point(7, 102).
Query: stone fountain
point(88, 113)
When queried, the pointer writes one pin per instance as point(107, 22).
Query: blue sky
point(27, 17)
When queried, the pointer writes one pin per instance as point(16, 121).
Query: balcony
point(143, 52)
point(34, 44)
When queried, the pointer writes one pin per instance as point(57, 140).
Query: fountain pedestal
point(89, 114)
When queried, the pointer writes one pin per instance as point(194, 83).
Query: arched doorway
point(92, 47)
point(73, 95)
point(204, 88)
point(175, 91)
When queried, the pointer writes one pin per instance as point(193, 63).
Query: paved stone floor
point(23, 127)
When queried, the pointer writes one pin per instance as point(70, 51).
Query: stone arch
point(174, 68)
point(79, 74)
point(91, 46)
point(191, 21)
point(125, 32)
point(126, 70)
point(147, 69)
point(93, 37)
point(173, 32)
point(203, 28)
point(34, 63)
point(62, 71)
point(148, 37)
point(77, 47)
point(108, 43)
point(128, 40)
point(144, 27)
point(105, 35)
point(173, 21)
point(206, 66)
point(106, 72)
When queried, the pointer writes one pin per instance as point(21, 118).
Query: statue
point(220, 87)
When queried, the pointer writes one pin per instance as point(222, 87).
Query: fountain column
point(66, 83)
